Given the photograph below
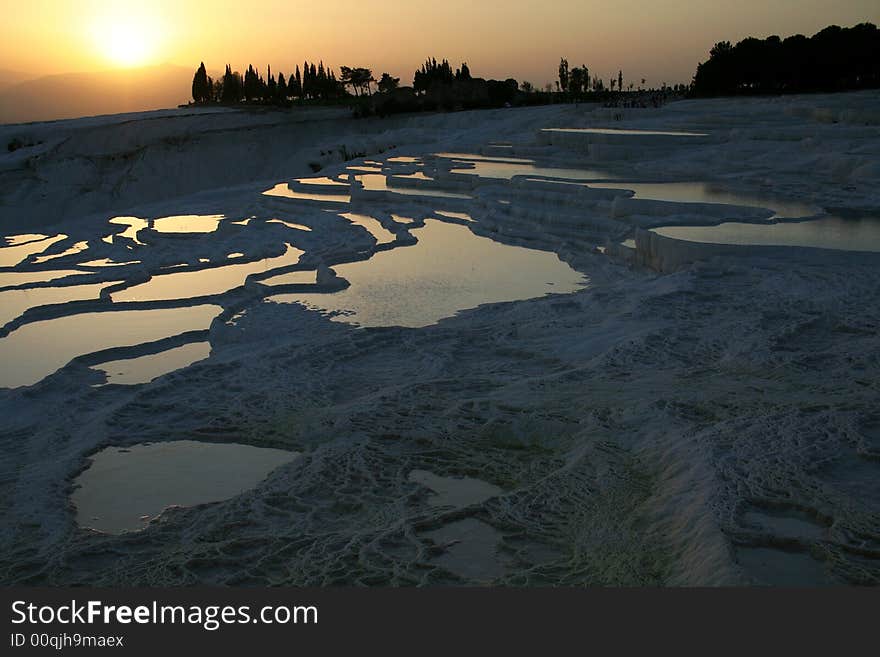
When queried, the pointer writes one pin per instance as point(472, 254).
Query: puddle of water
point(107, 262)
point(507, 170)
point(20, 248)
point(788, 523)
point(134, 224)
point(774, 567)
point(826, 233)
point(8, 279)
point(471, 550)
point(284, 191)
point(16, 240)
point(418, 175)
point(123, 489)
point(293, 278)
point(243, 222)
point(450, 269)
point(232, 256)
point(454, 491)
point(36, 350)
point(379, 183)
point(624, 131)
point(698, 192)
point(375, 228)
point(205, 282)
point(188, 223)
point(403, 158)
point(14, 302)
point(482, 158)
point(322, 181)
point(76, 248)
point(289, 225)
point(364, 169)
point(132, 371)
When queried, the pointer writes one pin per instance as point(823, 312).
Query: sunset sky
point(660, 41)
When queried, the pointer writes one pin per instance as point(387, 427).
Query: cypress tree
point(201, 91)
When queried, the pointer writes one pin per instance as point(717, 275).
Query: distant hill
point(9, 78)
point(72, 95)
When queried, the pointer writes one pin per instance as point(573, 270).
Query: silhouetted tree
point(232, 86)
point(251, 84)
point(295, 86)
point(431, 74)
point(271, 87)
point(201, 87)
point(620, 80)
point(387, 83)
point(282, 90)
point(358, 79)
point(831, 60)
point(563, 74)
point(576, 81)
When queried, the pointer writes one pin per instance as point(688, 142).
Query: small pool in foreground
point(124, 488)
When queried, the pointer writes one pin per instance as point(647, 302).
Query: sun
point(126, 45)
point(127, 40)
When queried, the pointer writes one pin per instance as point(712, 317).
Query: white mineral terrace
point(550, 345)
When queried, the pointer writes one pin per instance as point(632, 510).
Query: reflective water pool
point(625, 131)
point(36, 350)
point(283, 190)
point(13, 278)
point(700, 192)
point(14, 302)
point(188, 223)
point(454, 491)
point(124, 488)
point(373, 226)
point(132, 371)
point(506, 169)
point(21, 247)
point(379, 183)
point(76, 248)
point(205, 282)
point(450, 269)
point(134, 225)
point(827, 233)
point(289, 224)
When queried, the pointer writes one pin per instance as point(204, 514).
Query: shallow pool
point(132, 371)
point(188, 223)
point(628, 131)
point(826, 233)
point(124, 488)
point(36, 350)
point(507, 168)
point(204, 282)
point(450, 269)
point(700, 192)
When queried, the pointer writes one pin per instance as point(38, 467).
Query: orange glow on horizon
point(498, 38)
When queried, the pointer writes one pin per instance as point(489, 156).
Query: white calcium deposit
point(455, 296)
